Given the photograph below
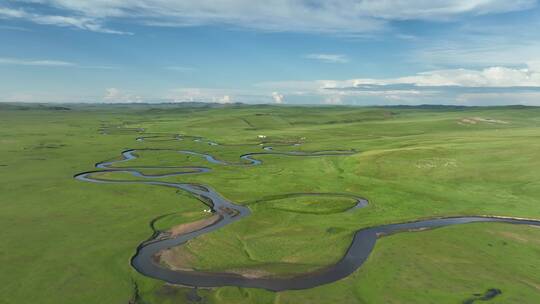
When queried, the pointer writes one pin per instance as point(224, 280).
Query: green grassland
point(67, 241)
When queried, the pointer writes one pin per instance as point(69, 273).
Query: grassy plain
point(66, 241)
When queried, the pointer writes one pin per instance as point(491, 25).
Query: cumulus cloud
point(225, 99)
point(333, 100)
point(223, 95)
point(277, 97)
point(534, 65)
point(455, 86)
point(488, 77)
point(337, 16)
point(505, 98)
point(202, 95)
point(111, 93)
point(328, 58)
point(116, 95)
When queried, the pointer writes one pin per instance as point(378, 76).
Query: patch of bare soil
point(251, 273)
point(193, 226)
point(517, 237)
point(430, 163)
point(176, 258)
point(476, 120)
point(532, 284)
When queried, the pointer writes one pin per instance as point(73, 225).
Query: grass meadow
point(66, 241)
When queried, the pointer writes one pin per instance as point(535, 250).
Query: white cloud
point(249, 96)
point(202, 95)
point(534, 65)
point(29, 62)
point(179, 68)
point(480, 52)
point(51, 63)
point(477, 42)
point(225, 99)
point(456, 86)
point(111, 93)
point(488, 77)
point(14, 28)
point(328, 58)
point(278, 98)
point(337, 16)
point(333, 100)
point(49, 96)
point(11, 13)
point(483, 99)
point(115, 95)
point(18, 97)
point(437, 9)
point(489, 86)
point(83, 23)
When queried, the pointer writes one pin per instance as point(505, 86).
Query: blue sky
point(364, 52)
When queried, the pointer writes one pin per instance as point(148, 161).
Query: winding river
point(362, 244)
